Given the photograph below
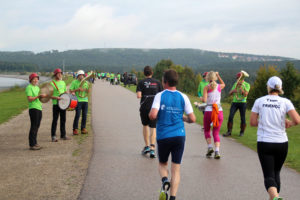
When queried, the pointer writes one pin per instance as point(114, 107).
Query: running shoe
point(145, 150)
point(164, 190)
point(217, 155)
point(210, 151)
point(152, 154)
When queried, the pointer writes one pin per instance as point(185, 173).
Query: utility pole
point(63, 66)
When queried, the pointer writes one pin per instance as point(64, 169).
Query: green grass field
point(14, 101)
point(249, 139)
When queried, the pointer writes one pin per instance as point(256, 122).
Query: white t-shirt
point(214, 96)
point(272, 110)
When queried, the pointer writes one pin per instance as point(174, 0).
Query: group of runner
point(166, 108)
point(111, 77)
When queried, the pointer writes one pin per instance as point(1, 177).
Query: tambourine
point(46, 89)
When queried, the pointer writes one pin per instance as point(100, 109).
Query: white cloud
point(91, 26)
point(270, 27)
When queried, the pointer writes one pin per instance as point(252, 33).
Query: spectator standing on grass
point(35, 110)
point(59, 87)
point(81, 93)
point(240, 91)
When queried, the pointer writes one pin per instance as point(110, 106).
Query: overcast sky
point(265, 27)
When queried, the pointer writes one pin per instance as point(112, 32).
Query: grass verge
point(14, 101)
point(249, 139)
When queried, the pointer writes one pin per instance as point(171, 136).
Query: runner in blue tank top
point(168, 108)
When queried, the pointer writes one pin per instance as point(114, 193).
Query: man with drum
point(240, 92)
point(81, 90)
point(59, 87)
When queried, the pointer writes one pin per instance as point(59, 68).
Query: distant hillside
point(125, 59)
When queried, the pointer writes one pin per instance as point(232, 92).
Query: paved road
point(118, 171)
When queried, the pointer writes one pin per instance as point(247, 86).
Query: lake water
point(11, 82)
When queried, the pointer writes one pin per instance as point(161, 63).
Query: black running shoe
point(210, 151)
point(146, 150)
point(152, 154)
point(217, 155)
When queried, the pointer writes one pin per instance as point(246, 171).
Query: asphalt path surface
point(117, 169)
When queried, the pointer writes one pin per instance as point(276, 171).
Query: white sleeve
point(156, 101)
point(289, 105)
point(188, 109)
point(255, 107)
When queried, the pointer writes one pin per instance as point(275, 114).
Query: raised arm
point(222, 84)
point(204, 99)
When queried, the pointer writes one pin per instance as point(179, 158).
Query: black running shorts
point(173, 145)
point(145, 119)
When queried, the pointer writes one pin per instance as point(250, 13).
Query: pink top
point(214, 96)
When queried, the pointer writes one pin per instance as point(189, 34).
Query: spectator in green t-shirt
point(112, 78)
point(35, 110)
point(59, 87)
point(240, 92)
point(202, 85)
point(81, 90)
point(119, 78)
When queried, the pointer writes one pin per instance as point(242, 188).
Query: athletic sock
point(210, 146)
point(172, 198)
point(217, 148)
point(164, 179)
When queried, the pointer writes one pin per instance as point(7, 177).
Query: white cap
point(80, 72)
point(275, 83)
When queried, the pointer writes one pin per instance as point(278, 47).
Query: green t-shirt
point(33, 91)
point(238, 97)
point(119, 76)
point(112, 76)
point(62, 88)
point(201, 87)
point(75, 85)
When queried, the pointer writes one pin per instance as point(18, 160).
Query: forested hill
point(125, 59)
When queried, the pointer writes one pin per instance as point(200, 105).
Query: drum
point(67, 102)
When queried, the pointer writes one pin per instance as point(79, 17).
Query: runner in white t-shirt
point(269, 114)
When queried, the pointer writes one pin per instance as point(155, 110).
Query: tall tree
point(291, 80)
point(259, 88)
point(160, 67)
